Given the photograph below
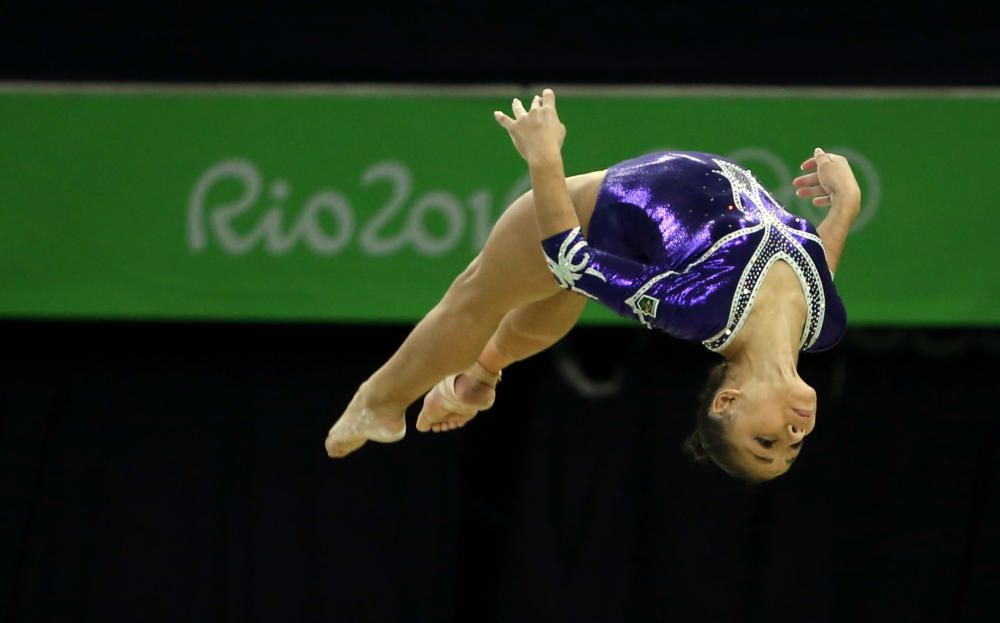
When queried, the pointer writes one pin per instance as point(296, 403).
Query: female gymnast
point(686, 242)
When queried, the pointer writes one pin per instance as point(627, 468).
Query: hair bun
point(695, 447)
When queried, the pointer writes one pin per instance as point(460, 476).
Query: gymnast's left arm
point(831, 183)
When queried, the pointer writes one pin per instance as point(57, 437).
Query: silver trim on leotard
point(778, 242)
point(567, 269)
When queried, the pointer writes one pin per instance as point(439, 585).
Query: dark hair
point(708, 441)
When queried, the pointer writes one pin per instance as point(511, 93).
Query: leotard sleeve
point(644, 292)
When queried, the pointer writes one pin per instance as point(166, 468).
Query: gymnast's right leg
point(510, 272)
point(525, 331)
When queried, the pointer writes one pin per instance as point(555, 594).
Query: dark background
point(175, 471)
point(915, 43)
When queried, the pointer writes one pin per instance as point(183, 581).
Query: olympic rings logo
point(776, 175)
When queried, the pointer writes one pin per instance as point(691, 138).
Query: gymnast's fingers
point(811, 191)
point(536, 102)
point(519, 110)
point(822, 202)
point(808, 165)
point(821, 156)
point(548, 97)
point(810, 179)
point(503, 119)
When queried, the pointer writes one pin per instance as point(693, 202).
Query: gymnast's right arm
point(831, 185)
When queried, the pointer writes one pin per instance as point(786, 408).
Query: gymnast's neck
point(768, 344)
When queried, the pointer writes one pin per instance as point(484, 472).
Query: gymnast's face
point(767, 423)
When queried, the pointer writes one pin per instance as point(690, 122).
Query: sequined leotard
point(681, 241)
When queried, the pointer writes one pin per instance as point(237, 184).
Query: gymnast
point(688, 243)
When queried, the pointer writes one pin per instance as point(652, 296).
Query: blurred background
point(217, 219)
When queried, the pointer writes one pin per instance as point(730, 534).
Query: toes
point(431, 413)
point(446, 425)
point(448, 421)
point(336, 449)
point(424, 419)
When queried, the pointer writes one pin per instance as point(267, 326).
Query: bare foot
point(457, 399)
point(360, 423)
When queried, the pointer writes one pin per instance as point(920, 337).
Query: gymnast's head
point(752, 428)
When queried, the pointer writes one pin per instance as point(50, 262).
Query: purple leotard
point(681, 241)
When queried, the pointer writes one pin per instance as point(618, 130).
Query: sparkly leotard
point(682, 241)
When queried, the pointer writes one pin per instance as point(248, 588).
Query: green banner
point(363, 205)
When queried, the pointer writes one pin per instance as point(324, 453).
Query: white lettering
point(402, 185)
point(309, 228)
point(245, 172)
point(447, 205)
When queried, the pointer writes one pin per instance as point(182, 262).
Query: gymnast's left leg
point(510, 272)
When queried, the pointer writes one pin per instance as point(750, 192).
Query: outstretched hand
point(829, 181)
point(537, 132)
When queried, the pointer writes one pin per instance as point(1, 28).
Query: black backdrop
point(846, 42)
point(175, 471)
